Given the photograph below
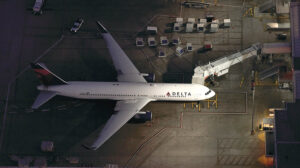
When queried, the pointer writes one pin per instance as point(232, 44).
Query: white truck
point(37, 7)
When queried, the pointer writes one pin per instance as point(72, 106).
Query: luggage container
point(189, 27)
point(216, 21)
point(176, 41)
point(179, 21)
point(164, 41)
point(151, 41)
point(139, 42)
point(204, 21)
point(176, 27)
point(226, 22)
point(214, 27)
point(200, 27)
point(189, 47)
point(151, 30)
point(179, 51)
point(162, 52)
point(191, 20)
point(210, 18)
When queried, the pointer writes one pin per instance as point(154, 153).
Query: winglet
point(102, 28)
point(88, 147)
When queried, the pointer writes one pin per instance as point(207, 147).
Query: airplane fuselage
point(129, 90)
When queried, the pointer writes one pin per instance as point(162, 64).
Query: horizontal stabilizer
point(42, 98)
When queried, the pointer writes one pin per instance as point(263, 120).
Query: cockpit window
point(208, 92)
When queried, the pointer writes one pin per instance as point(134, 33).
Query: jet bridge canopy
point(221, 66)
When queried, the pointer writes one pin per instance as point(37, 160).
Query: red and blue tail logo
point(46, 76)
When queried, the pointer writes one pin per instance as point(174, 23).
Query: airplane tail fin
point(46, 76)
point(42, 98)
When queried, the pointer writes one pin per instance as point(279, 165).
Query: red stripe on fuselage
point(42, 72)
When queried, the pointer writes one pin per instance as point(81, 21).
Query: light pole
point(253, 106)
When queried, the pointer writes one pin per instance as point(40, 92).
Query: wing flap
point(125, 111)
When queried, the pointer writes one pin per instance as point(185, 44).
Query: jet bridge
point(221, 66)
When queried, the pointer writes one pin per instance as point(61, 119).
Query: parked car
point(37, 7)
point(282, 36)
point(77, 24)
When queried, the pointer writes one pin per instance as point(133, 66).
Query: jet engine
point(150, 77)
point(142, 117)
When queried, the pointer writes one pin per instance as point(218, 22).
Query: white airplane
point(132, 92)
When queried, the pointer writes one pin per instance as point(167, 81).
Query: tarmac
point(177, 136)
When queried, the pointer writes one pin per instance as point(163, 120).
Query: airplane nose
point(212, 94)
point(209, 94)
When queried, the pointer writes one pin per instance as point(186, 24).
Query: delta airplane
point(132, 92)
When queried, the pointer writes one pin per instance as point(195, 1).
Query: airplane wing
point(127, 72)
point(125, 110)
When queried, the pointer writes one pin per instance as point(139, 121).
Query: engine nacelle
point(142, 116)
point(150, 77)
